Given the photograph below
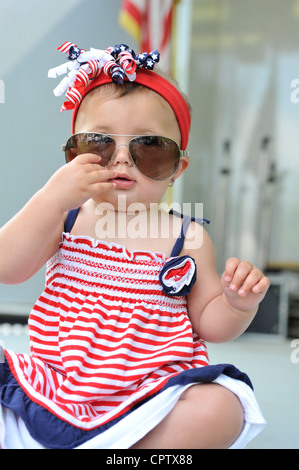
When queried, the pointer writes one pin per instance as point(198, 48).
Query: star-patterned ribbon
point(117, 62)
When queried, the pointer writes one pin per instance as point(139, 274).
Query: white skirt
point(133, 427)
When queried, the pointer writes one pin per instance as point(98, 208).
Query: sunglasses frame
point(182, 153)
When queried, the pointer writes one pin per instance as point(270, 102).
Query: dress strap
point(187, 219)
point(70, 220)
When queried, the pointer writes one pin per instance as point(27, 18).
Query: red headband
point(161, 86)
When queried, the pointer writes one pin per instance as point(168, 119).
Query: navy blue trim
point(207, 374)
point(178, 246)
point(53, 432)
point(70, 220)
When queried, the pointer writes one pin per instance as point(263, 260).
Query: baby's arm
point(33, 235)
point(221, 309)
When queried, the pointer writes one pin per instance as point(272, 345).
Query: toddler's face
point(139, 113)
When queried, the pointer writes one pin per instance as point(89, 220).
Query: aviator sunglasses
point(154, 156)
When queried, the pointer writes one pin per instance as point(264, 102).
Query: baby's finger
point(86, 158)
point(244, 275)
point(251, 282)
point(102, 187)
point(100, 175)
point(104, 174)
point(262, 286)
point(230, 268)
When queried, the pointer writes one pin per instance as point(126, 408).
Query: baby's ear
point(184, 163)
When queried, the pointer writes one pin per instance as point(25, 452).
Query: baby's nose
point(121, 155)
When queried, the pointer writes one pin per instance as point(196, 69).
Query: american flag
point(150, 23)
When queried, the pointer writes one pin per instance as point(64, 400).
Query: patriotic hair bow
point(117, 62)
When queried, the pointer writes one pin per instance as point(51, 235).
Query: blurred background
point(238, 62)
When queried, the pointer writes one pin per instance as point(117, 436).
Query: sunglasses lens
point(156, 157)
point(97, 144)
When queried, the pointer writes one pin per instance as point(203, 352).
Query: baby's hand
point(244, 285)
point(75, 183)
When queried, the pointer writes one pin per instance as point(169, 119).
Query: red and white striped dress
point(103, 334)
point(112, 350)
